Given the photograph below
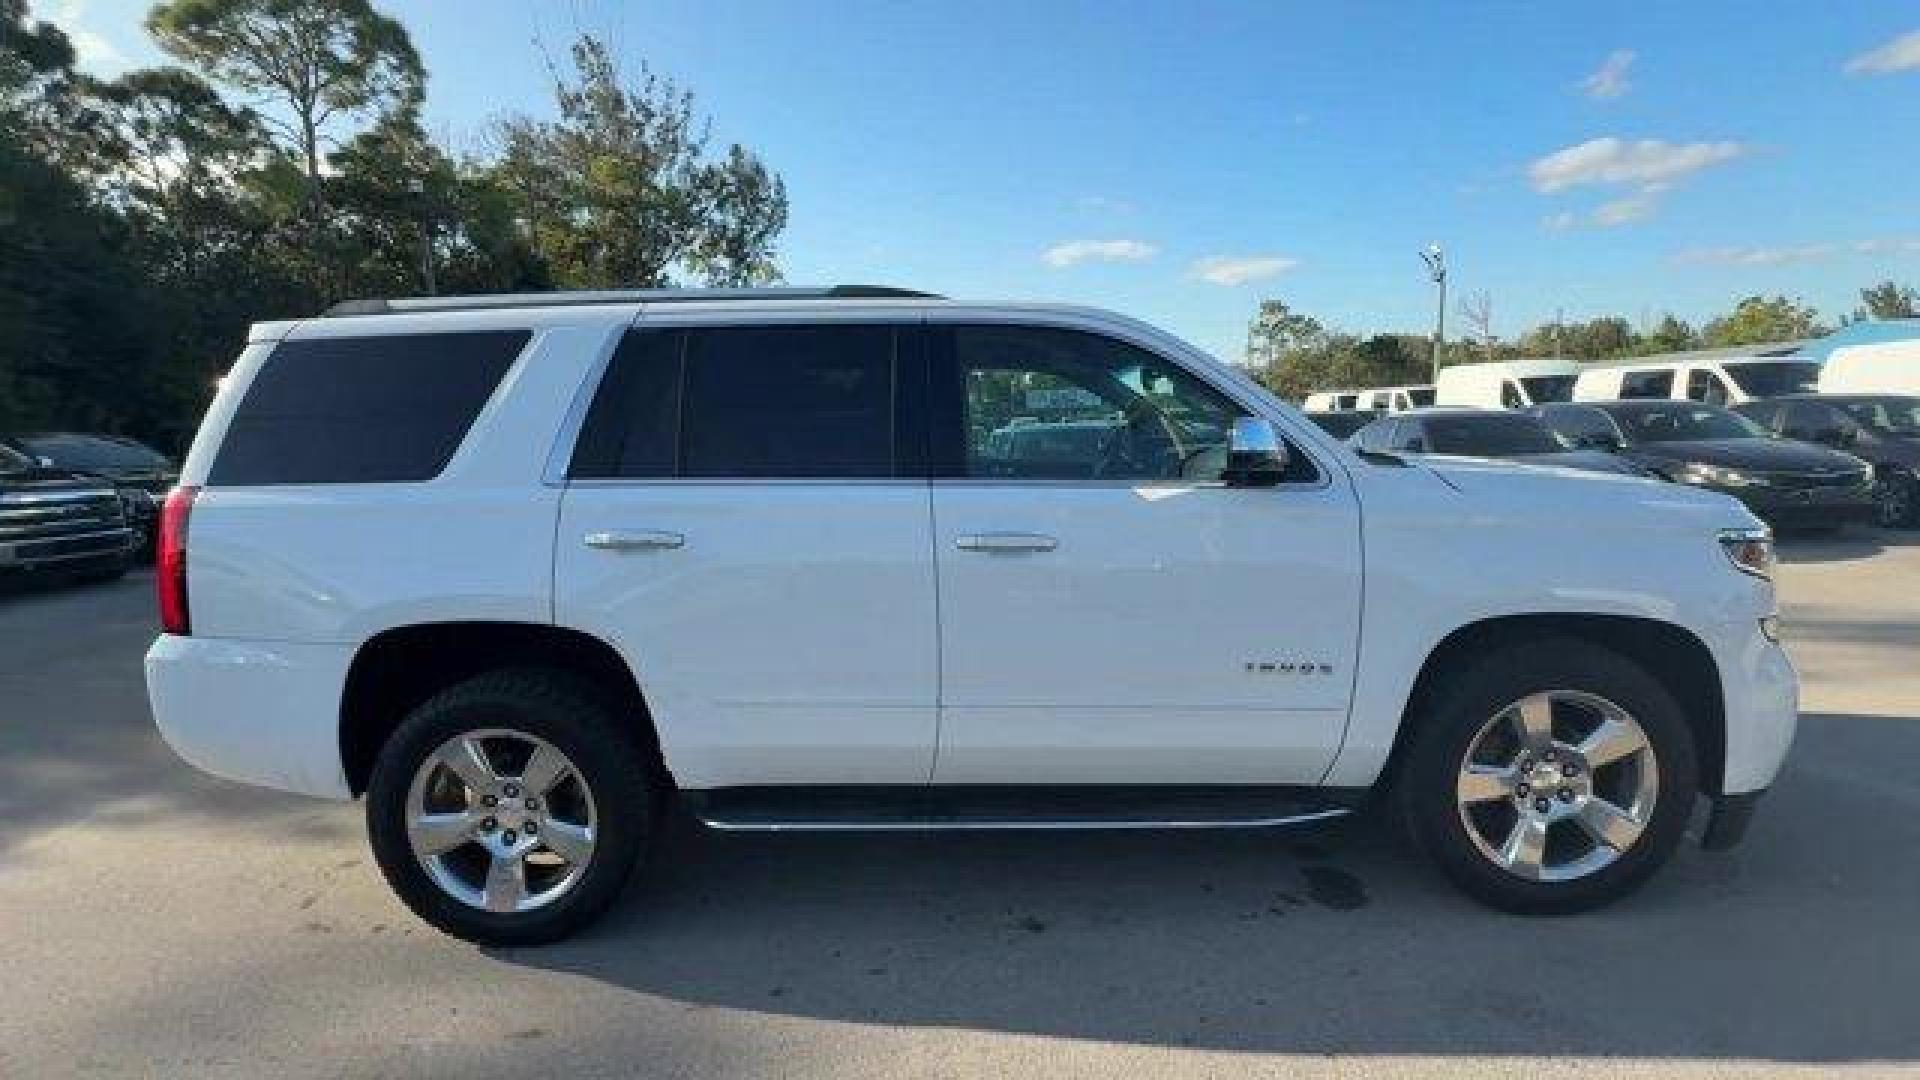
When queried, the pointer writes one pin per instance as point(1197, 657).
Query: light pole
point(1436, 261)
point(418, 188)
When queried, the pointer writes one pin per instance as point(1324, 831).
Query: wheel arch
point(1670, 653)
point(396, 670)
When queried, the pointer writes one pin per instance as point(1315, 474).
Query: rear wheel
point(1550, 778)
point(510, 809)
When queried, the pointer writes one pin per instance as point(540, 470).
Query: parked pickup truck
point(57, 522)
point(524, 571)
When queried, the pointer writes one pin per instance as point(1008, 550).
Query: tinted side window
point(1580, 427)
point(1510, 395)
point(633, 428)
point(788, 401)
point(1646, 384)
point(1764, 413)
point(362, 410)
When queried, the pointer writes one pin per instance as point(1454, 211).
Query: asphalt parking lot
point(156, 921)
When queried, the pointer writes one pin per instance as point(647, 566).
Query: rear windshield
point(1774, 379)
point(362, 410)
point(1493, 435)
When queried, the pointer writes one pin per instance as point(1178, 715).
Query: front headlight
point(1749, 549)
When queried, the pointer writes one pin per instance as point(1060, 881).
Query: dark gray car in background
point(1788, 483)
point(1484, 433)
point(1882, 429)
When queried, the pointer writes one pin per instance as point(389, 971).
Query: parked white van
point(1727, 380)
point(1887, 367)
point(1332, 401)
point(1507, 384)
point(1397, 398)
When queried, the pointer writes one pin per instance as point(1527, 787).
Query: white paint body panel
point(1479, 386)
point(790, 641)
point(1888, 367)
point(1122, 655)
point(1604, 383)
point(831, 632)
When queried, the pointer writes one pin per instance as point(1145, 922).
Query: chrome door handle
point(634, 540)
point(1006, 541)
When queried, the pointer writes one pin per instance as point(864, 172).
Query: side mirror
point(1255, 455)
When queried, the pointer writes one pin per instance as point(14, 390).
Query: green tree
point(1760, 319)
point(1277, 330)
point(1889, 301)
point(1669, 335)
point(621, 190)
point(318, 60)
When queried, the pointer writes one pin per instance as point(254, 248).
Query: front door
point(1110, 613)
point(747, 523)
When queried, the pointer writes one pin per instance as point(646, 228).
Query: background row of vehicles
point(1801, 443)
point(78, 505)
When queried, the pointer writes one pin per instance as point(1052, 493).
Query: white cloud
point(1082, 251)
point(1756, 256)
point(1900, 54)
point(96, 55)
point(1238, 270)
point(1787, 254)
point(1611, 80)
point(1559, 222)
point(1629, 209)
point(1619, 162)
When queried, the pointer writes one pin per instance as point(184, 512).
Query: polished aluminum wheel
point(501, 820)
point(1557, 785)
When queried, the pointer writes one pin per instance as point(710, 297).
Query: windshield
point(1489, 436)
point(1545, 388)
point(88, 454)
point(1421, 396)
point(1685, 423)
point(1892, 416)
point(1771, 378)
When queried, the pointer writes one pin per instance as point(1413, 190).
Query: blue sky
point(1181, 161)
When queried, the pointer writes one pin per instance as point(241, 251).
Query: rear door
point(1110, 612)
point(746, 520)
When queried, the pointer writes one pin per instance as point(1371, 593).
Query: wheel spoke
point(1610, 742)
point(467, 759)
point(506, 883)
point(435, 833)
point(1483, 783)
point(1534, 714)
point(571, 842)
point(546, 768)
point(1525, 851)
point(1608, 824)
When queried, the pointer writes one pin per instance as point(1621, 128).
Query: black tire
point(581, 723)
point(1445, 728)
point(1896, 501)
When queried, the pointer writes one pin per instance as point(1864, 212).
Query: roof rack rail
point(500, 301)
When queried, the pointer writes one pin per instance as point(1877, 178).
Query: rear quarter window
point(362, 410)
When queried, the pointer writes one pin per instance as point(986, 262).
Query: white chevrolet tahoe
point(525, 572)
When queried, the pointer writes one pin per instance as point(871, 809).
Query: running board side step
point(916, 808)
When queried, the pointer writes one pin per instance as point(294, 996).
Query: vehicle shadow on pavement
point(77, 743)
point(1846, 545)
point(1798, 946)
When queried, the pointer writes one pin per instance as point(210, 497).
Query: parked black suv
point(53, 520)
point(1786, 482)
point(141, 474)
point(1883, 429)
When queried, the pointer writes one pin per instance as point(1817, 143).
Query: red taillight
point(170, 560)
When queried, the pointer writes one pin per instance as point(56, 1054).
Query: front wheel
point(1550, 778)
point(510, 809)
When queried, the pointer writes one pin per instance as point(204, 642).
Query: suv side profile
point(524, 572)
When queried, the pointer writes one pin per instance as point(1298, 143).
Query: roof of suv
point(580, 298)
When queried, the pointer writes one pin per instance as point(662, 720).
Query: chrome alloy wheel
point(501, 820)
point(1557, 785)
